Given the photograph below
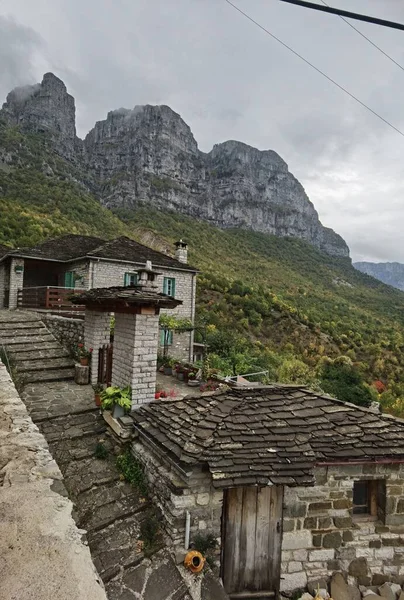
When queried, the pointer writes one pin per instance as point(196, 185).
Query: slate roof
point(4, 250)
point(126, 296)
point(70, 247)
point(65, 248)
point(268, 435)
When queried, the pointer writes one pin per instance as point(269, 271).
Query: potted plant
point(157, 393)
point(180, 373)
point(167, 364)
point(117, 399)
point(192, 380)
point(83, 354)
point(98, 388)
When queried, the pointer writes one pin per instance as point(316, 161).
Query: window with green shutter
point(169, 286)
point(130, 279)
point(69, 279)
point(169, 340)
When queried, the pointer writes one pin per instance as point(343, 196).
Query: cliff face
point(148, 155)
point(390, 273)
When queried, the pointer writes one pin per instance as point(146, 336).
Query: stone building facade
point(338, 468)
point(82, 262)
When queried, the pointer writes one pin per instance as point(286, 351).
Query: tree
point(339, 378)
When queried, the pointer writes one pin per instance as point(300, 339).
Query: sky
point(230, 80)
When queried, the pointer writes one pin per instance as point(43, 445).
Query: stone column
point(135, 354)
point(16, 280)
point(96, 334)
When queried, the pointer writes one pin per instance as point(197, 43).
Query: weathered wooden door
point(251, 541)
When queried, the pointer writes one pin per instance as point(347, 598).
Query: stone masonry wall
point(81, 269)
point(2, 284)
point(106, 274)
point(96, 334)
point(16, 281)
point(68, 331)
point(175, 497)
point(320, 535)
point(135, 354)
point(41, 548)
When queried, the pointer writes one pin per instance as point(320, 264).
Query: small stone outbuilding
point(293, 484)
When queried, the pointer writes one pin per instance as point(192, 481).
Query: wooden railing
point(48, 297)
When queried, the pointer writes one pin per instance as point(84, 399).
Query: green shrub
point(132, 471)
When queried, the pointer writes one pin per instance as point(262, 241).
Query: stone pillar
point(135, 354)
point(181, 251)
point(16, 280)
point(96, 334)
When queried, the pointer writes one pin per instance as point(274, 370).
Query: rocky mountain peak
point(45, 107)
point(148, 155)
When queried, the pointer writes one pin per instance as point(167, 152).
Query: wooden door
point(251, 541)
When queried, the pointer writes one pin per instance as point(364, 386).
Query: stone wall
point(42, 552)
point(135, 354)
point(81, 270)
point(320, 535)
point(2, 284)
point(175, 496)
point(106, 274)
point(68, 331)
point(16, 281)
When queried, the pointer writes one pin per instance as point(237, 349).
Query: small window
point(130, 279)
point(169, 286)
point(369, 498)
point(169, 338)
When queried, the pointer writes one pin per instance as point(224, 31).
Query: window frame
point(372, 512)
point(169, 338)
point(169, 282)
point(127, 276)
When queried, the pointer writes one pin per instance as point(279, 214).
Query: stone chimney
point(181, 251)
point(148, 277)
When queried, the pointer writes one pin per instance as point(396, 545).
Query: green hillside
point(264, 302)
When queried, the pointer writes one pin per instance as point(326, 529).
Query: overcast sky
point(229, 80)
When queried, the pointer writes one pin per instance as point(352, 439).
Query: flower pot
point(168, 371)
point(97, 399)
point(180, 376)
point(194, 383)
point(84, 362)
point(118, 411)
point(157, 395)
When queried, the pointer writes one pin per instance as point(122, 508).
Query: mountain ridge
point(148, 155)
point(390, 273)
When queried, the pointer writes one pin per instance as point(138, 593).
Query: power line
point(315, 68)
point(345, 13)
point(370, 41)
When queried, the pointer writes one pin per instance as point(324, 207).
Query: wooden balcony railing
point(48, 297)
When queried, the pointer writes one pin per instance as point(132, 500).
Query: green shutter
point(69, 279)
point(130, 279)
point(169, 338)
point(169, 286)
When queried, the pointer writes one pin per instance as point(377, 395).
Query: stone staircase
point(34, 351)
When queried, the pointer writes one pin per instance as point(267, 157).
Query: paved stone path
point(109, 509)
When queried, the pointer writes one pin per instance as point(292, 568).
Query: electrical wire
point(369, 40)
point(315, 68)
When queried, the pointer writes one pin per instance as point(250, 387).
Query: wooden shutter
point(69, 279)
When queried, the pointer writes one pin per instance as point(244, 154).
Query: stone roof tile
point(269, 435)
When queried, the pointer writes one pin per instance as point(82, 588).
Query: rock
point(358, 568)
point(211, 588)
point(148, 155)
point(354, 592)
point(396, 588)
point(388, 591)
point(339, 587)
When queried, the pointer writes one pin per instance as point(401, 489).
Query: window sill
point(364, 519)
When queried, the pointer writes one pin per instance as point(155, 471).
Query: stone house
point(293, 484)
point(43, 277)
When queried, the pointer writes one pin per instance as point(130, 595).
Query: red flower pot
point(157, 395)
point(97, 399)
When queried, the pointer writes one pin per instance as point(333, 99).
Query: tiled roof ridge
point(125, 237)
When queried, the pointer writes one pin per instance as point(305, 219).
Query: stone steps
point(24, 332)
point(22, 325)
point(39, 364)
point(42, 351)
point(24, 340)
point(49, 375)
point(33, 347)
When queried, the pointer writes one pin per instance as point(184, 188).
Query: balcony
point(48, 298)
